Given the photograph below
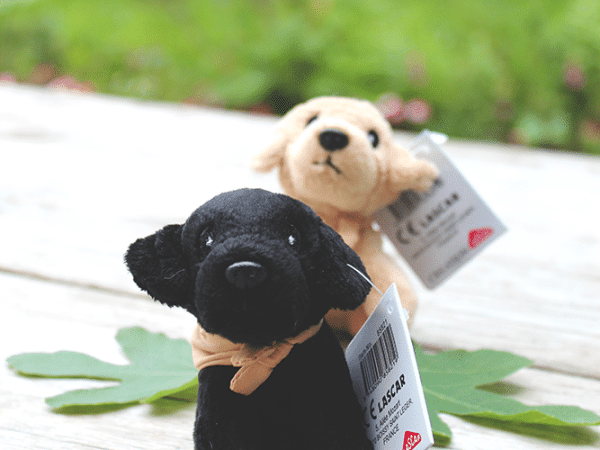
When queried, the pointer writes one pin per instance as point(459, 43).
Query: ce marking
point(371, 410)
point(411, 230)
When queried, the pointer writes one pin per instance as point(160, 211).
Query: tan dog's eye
point(373, 138)
point(311, 120)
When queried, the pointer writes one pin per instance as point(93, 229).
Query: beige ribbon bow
point(255, 363)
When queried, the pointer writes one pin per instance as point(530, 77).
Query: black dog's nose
point(245, 275)
point(332, 140)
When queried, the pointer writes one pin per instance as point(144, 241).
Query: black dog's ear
point(342, 286)
point(158, 266)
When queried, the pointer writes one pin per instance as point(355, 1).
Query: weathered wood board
point(83, 176)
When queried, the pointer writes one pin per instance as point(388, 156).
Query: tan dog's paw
point(407, 172)
point(427, 175)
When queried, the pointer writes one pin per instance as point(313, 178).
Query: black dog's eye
point(206, 239)
point(373, 138)
point(311, 120)
point(293, 238)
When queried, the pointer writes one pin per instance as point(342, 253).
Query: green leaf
point(451, 380)
point(159, 367)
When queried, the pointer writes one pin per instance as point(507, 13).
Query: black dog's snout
point(245, 275)
point(332, 140)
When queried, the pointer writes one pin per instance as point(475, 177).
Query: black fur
point(257, 267)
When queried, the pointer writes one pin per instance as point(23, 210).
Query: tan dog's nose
point(332, 140)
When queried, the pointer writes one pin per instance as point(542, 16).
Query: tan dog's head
point(338, 153)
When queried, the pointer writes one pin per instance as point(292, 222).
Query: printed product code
point(379, 360)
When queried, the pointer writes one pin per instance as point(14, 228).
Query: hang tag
point(386, 379)
point(439, 230)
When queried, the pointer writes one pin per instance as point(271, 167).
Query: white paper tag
point(386, 379)
point(440, 230)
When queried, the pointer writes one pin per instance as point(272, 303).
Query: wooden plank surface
point(87, 175)
point(47, 317)
point(54, 317)
point(83, 176)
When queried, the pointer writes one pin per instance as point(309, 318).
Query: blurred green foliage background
point(511, 71)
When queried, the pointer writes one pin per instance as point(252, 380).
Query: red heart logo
point(478, 236)
point(411, 440)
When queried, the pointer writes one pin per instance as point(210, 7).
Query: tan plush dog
point(338, 156)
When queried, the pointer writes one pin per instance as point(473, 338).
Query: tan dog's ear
point(408, 172)
point(272, 156)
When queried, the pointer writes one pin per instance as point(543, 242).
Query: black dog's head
point(251, 265)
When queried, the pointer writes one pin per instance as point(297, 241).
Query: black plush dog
point(259, 269)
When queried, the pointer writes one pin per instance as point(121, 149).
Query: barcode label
point(379, 360)
point(385, 377)
point(408, 201)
